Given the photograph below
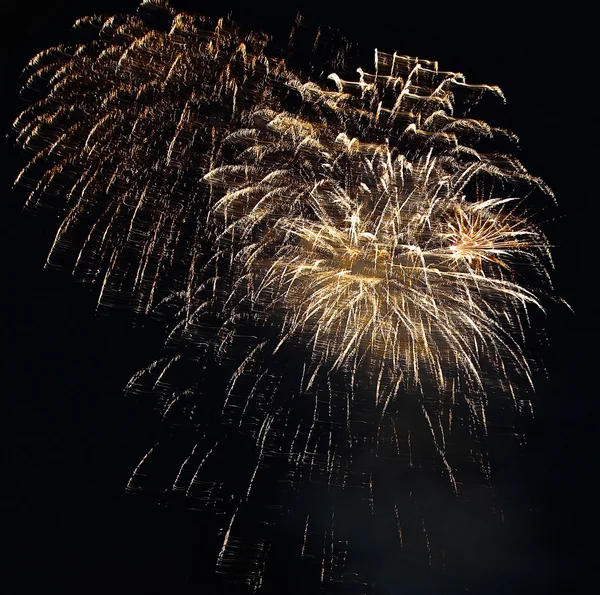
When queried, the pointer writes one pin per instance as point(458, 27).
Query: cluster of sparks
point(360, 223)
point(401, 270)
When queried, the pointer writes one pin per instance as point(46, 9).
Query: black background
point(71, 439)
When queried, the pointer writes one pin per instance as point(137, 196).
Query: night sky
point(71, 439)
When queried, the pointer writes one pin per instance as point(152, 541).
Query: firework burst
point(361, 228)
point(401, 270)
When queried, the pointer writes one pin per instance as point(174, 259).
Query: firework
point(398, 268)
point(342, 260)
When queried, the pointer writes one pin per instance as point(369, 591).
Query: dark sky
point(71, 439)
